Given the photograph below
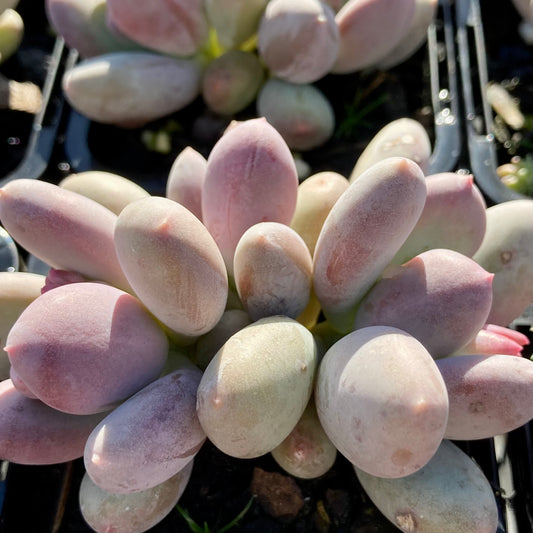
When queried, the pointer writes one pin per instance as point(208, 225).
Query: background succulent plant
point(235, 327)
point(240, 50)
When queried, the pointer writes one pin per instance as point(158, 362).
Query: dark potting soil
point(45, 499)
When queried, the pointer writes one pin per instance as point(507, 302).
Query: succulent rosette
point(141, 62)
point(295, 319)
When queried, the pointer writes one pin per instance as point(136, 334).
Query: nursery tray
point(44, 499)
point(490, 50)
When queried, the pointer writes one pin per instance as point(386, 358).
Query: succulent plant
point(131, 88)
point(453, 217)
point(174, 27)
point(346, 262)
point(316, 196)
point(111, 190)
point(307, 452)
point(11, 31)
point(262, 169)
point(299, 111)
point(360, 45)
point(36, 213)
point(425, 289)
point(403, 137)
point(505, 252)
point(278, 323)
point(473, 382)
point(83, 25)
point(186, 180)
point(234, 21)
point(263, 251)
point(133, 512)
point(525, 9)
point(449, 494)
point(16, 293)
point(62, 435)
point(163, 416)
point(8, 4)
point(243, 50)
point(231, 81)
point(168, 232)
point(413, 39)
point(58, 379)
point(397, 433)
point(308, 29)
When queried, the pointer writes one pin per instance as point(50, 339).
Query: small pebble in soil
point(278, 495)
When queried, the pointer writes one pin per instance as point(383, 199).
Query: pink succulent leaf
point(57, 277)
point(520, 338)
point(496, 340)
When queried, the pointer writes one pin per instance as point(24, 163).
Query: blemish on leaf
point(401, 457)
point(506, 257)
point(406, 522)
